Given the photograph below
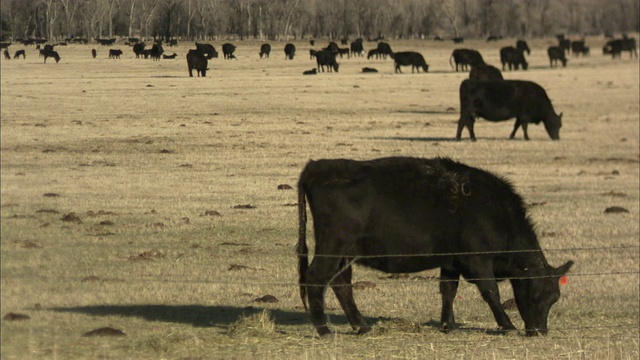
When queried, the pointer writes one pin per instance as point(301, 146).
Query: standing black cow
point(499, 100)
point(114, 53)
point(578, 48)
point(464, 58)
point(289, 51)
point(94, 53)
point(372, 53)
point(513, 57)
point(406, 58)
point(228, 50)
point(384, 49)
point(138, 49)
point(356, 48)
point(198, 61)
point(326, 58)
point(207, 50)
point(617, 46)
point(20, 53)
point(50, 54)
point(485, 72)
point(333, 47)
point(265, 50)
point(404, 215)
point(556, 53)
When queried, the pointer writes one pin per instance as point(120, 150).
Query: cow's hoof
point(448, 328)
point(364, 329)
point(324, 332)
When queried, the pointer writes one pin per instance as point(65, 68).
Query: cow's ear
point(561, 270)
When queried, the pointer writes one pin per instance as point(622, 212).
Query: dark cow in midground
point(94, 53)
point(513, 58)
point(384, 49)
point(356, 48)
point(20, 53)
point(617, 46)
point(198, 61)
point(138, 49)
point(405, 215)
point(578, 48)
point(485, 72)
point(326, 58)
point(207, 50)
point(265, 50)
point(115, 53)
point(156, 52)
point(289, 51)
point(464, 58)
point(50, 54)
point(499, 100)
point(228, 50)
point(556, 53)
point(406, 58)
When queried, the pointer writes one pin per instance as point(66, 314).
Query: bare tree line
point(295, 19)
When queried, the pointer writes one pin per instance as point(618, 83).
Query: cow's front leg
point(449, 280)
point(515, 128)
point(343, 289)
point(484, 279)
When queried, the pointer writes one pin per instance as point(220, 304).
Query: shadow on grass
point(451, 139)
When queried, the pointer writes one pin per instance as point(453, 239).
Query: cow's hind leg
point(449, 280)
point(344, 292)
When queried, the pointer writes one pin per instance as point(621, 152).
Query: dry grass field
point(137, 198)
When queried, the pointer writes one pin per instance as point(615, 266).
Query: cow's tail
point(301, 249)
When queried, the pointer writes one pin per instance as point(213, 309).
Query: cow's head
point(535, 292)
point(553, 124)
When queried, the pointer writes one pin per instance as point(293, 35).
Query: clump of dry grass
point(397, 326)
point(258, 324)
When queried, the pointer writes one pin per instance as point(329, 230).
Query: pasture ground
point(137, 198)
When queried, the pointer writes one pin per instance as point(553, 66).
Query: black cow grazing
point(207, 50)
point(494, 38)
point(6, 54)
point(369, 70)
point(198, 61)
point(485, 72)
point(372, 53)
point(20, 53)
point(344, 51)
point(312, 54)
point(565, 44)
point(265, 50)
point(50, 54)
point(138, 49)
point(522, 45)
point(617, 46)
point(172, 56)
point(310, 72)
point(578, 48)
point(458, 40)
point(384, 49)
point(556, 53)
point(356, 48)
point(106, 42)
point(326, 58)
point(228, 50)
point(4, 45)
point(406, 58)
point(94, 53)
point(156, 52)
point(499, 100)
point(405, 215)
point(464, 58)
point(289, 51)
point(513, 57)
point(115, 53)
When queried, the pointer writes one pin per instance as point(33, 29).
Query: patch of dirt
point(15, 317)
point(148, 255)
point(71, 217)
point(245, 206)
point(364, 285)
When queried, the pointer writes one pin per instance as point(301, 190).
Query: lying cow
point(172, 56)
point(405, 215)
point(406, 58)
point(499, 100)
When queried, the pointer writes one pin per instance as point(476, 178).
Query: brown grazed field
point(148, 209)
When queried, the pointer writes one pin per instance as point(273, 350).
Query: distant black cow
point(499, 100)
point(312, 54)
point(106, 42)
point(138, 49)
point(172, 56)
point(522, 45)
point(458, 40)
point(198, 61)
point(356, 48)
point(405, 215)
point(20, 53)
point(513, 57)
point(265, 50)
point(485, 72)
point(565, 44)
point(384, 49)
point(228, 50)
point(50, 54)
point(4, 45)
point(617, 46)
point(369, 70)
point(289, 51)
point(172, 42)
point(372, 53)
point(493, 38)
point(115, 53)
point(6, 54)
point(343, 51)
point(94, 53)
point(578, 48)
point(464, 58)
point(310, 72)
point(326, 58)
point(406, 58)
point(207, 50)
point(156, 52)
point(556, 53)
point(312, 42)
